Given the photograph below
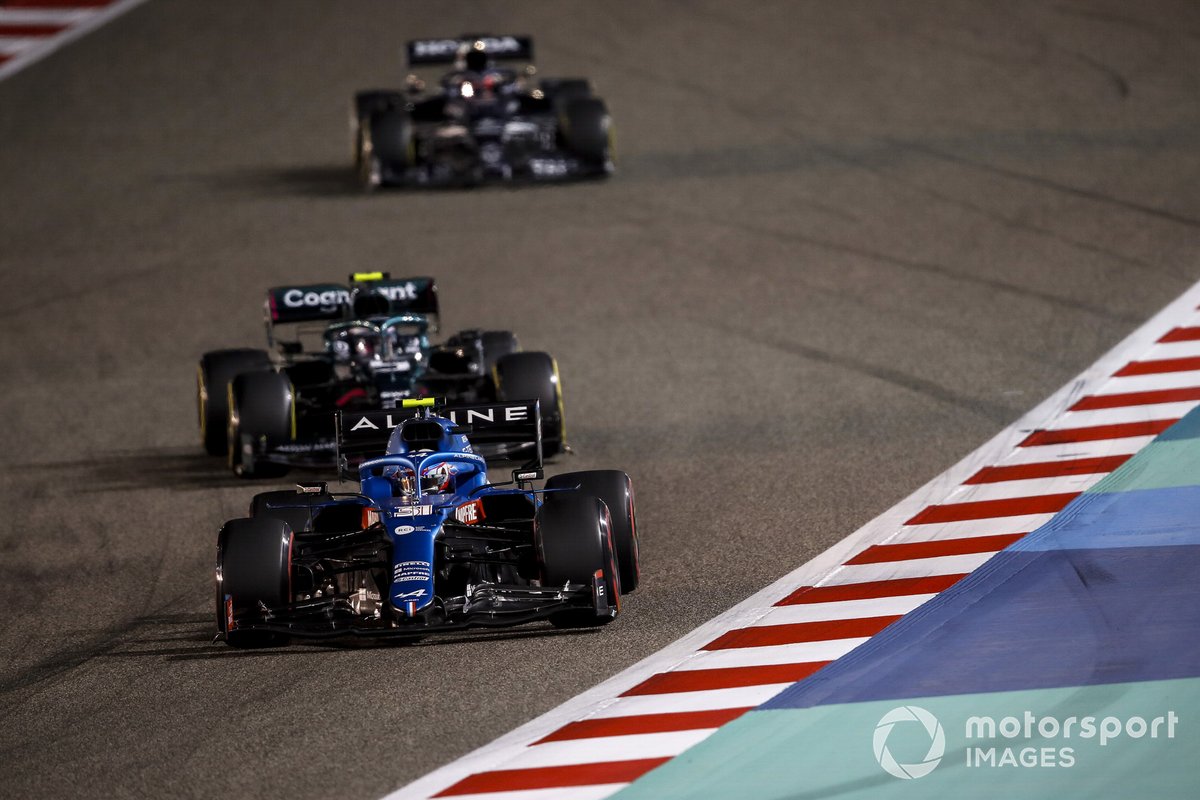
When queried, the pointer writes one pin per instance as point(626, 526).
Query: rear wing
point(425, 52)
point(497, 430)
point(332, 301)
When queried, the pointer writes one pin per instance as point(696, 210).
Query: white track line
point(44, 16)
point(574, 793)
point(608, 748)
point(1149, 383)
point(842, 609)
point(705, 700)
point(1028, 487)
point(1167, 350)
point(15, 45)
point(969, 529)
point(1122, 415)
point(800, 653)
point(917, 568)
point(1062, 452)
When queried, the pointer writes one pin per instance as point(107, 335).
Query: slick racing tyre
point(287, 506)
point(253, 569)
point(534, 376)
point(215, 371)
point(559, 90)
point(616, 490)
point(306, 513)
point(387, 148)
point(363, 106)
point(586, 130)
point(573, 534)
point(496, 345)
point(314, 373)
point(261, 412)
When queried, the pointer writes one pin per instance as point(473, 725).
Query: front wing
point(490, 606)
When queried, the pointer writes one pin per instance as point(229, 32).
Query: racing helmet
point(353, 345)
point(438, 478)
point(435, 479)
point(362, 349)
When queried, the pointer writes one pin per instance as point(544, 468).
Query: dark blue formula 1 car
point(428, 543)
point(483, 122)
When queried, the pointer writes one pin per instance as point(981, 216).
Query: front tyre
point(573, 536)
point(586, 131)
point(253, 569)
point(616, 490)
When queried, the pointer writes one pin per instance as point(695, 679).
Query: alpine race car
point(428, 544)
point(365, 345)
point(482, 121)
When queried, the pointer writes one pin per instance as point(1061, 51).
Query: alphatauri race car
point(428, 543)
point(482, 122)
point(364, 345)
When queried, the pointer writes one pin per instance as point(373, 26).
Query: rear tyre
point(496, 345)
point(586, 130)
point(573, 535)
point(534, 376)
point(253, 569)
point(559, 90)
point(616, 490)
point(292, 508)
point(213, 374)
point(310, 373)
point(261, 411)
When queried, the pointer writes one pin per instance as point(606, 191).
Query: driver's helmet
point(438, 478)
point(417, 438)
point(363, 349)
point(354, 345)
point(435, 479)
point(404, 341)
point(475, 77)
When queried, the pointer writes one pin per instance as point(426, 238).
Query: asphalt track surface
point(847, 243)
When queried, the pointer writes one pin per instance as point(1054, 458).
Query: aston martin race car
point(364, 345)
point(483, 121)
point(428, 543)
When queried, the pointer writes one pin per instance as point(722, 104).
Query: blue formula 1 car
point(428, 543)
